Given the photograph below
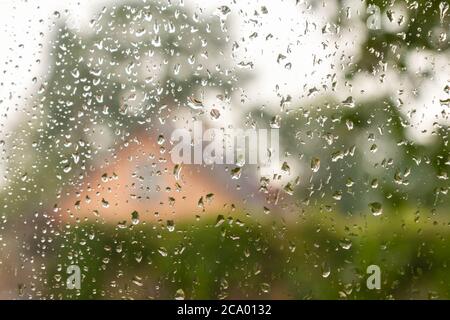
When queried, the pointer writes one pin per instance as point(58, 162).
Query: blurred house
point(140, 181)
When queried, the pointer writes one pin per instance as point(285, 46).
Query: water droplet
point(135, 217)
point(285, 168)
point(376, 208)
point(349, 124)
point(222, 12)
point(265, 287)
point(326, 271)
point(161, 139)
point(105, 203)
point(349, 102)
point(337, 195)
point(236, 173)
point(194, 103)
point(315, 164)
point(170, 225)
point(345, 244)
point(289, 189)
point(162, 251)
point(179, 295)
point(177, 171)
point(275, 122)
point(443, 9)
point(215, 114)
point(240, 161)
point(220, 220)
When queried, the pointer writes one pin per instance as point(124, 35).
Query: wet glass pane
point(211, 149)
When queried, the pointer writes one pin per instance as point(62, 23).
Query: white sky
point(22, 22)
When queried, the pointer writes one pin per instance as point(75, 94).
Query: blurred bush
point(320, 256)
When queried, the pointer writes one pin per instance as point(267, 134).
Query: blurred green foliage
point(321, 255)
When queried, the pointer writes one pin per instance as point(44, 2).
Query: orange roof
point(139, 177)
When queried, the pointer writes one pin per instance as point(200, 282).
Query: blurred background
point(91, 91)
